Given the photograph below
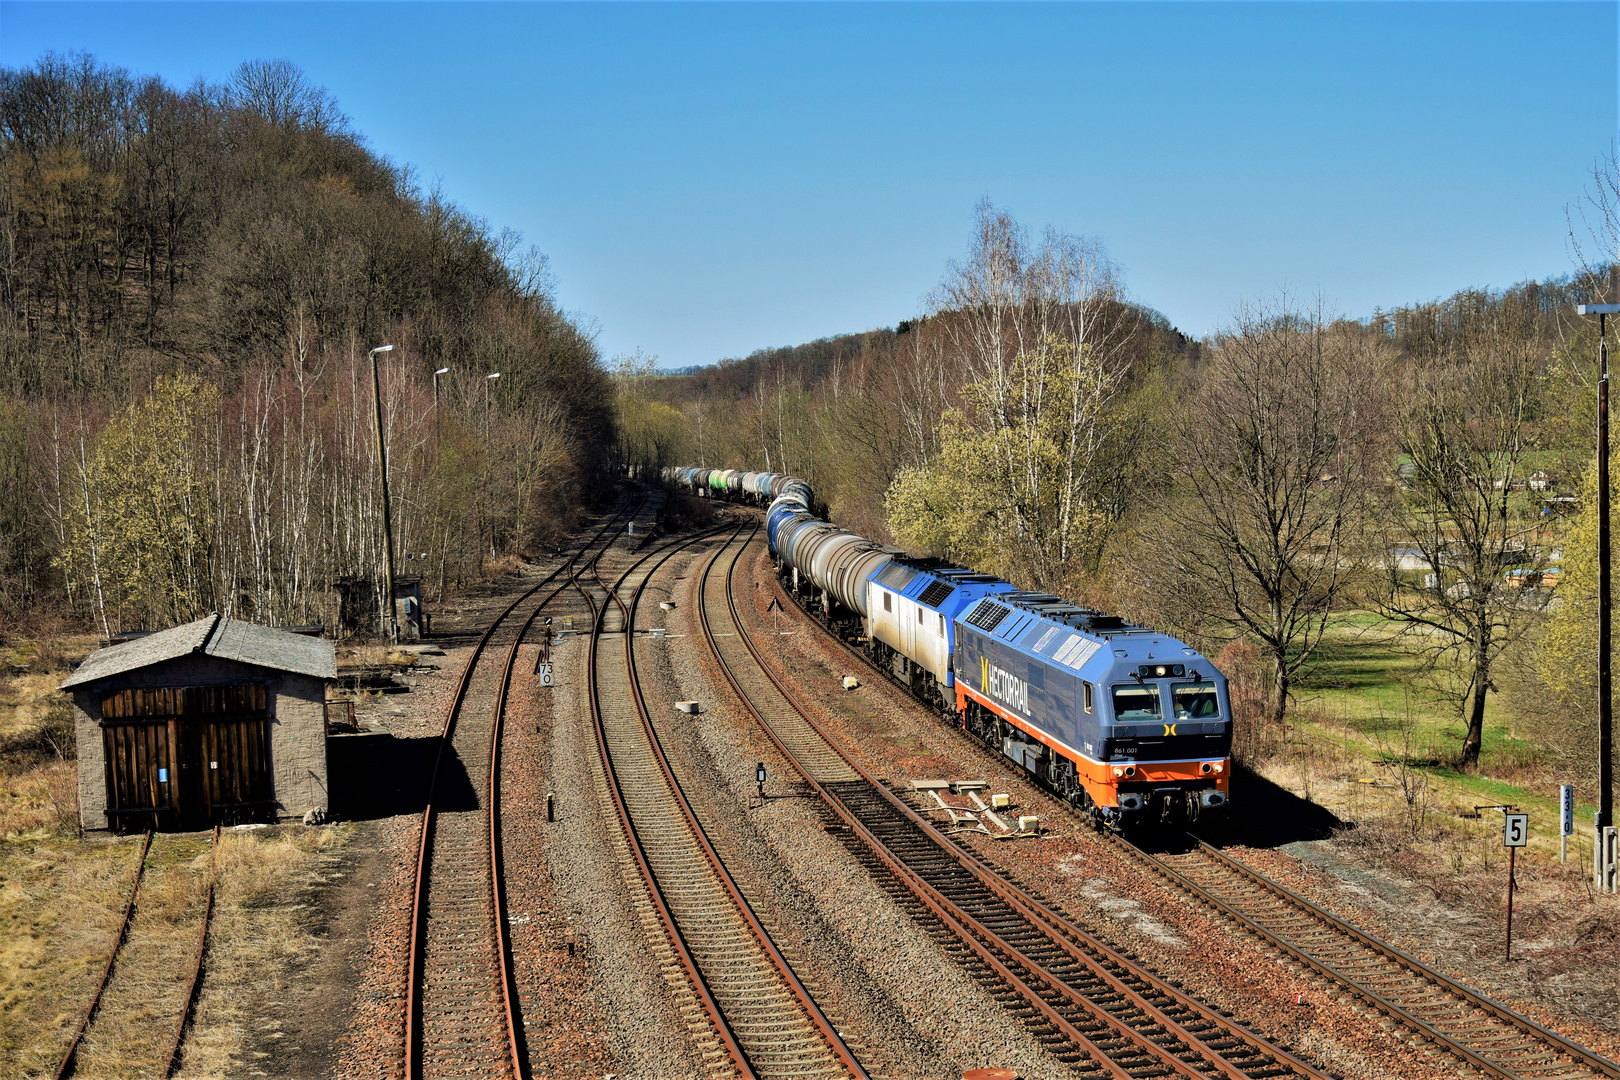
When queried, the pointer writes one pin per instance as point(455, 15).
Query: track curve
point(768, 1023)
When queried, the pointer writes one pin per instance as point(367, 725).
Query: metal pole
point(1512, 851)
point(1605, 685)
point(390, 625)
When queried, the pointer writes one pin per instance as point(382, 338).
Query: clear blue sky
point(711, 179)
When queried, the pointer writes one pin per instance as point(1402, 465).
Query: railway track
point(1451, 1017)
point(743, 990)
point(1088, 1004)
point(171, 1048)
point(462, 1015)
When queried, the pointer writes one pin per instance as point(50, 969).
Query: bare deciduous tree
point(1277, 456)
point(1465, 520)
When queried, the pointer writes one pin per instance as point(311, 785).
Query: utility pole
point(1605, 814)
point(390, 623)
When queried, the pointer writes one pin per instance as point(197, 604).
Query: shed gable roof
point(212, 635)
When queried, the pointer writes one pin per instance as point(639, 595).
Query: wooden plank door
point(235, 765)
point(143, 778)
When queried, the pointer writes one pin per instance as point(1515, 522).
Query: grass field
point(1369, 716)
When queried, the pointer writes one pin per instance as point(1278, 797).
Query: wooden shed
point(214, 722)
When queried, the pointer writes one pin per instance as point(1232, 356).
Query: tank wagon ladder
point(1458, 1020)
point(1086, 1001)
point(459, 870)
point(758, 1010)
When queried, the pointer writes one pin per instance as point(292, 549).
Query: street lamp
point(436, 374)
point(382, 472)
point(1605, 684)
point(488, 379)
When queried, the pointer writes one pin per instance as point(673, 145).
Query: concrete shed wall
point(295, 704)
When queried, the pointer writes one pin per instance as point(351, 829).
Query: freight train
point(1130, 725)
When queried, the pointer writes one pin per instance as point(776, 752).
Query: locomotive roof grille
point(987, 615)
point(936, 594)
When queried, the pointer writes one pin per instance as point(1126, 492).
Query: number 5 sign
point(1515, 830)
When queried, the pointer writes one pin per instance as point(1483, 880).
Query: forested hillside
point(192, 280)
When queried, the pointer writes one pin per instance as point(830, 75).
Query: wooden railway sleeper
point(1397, 1012)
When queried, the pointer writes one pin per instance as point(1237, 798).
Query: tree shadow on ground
point(375, 775)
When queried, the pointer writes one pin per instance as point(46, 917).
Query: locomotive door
point(187, 758)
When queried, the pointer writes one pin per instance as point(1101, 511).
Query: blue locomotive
point(1131, 725)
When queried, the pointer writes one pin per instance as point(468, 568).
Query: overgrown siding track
point(1454, 1019)
point(461, 1010)
point(110, 1042)
point(744, 993)
point(1091, 1006)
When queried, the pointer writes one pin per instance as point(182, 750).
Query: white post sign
point(544, 672)
point(1515, 830)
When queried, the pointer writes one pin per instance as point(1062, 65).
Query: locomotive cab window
point(1090, 703)
point(1196, 701)
point(1136, 704)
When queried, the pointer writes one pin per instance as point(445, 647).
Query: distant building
point(214, 722)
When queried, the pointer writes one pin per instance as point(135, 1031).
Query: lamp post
point(488, 380)
point(382, 472)
point(1605, 815)
point(436, 424)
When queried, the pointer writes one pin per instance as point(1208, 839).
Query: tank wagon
point(1131, 725)
point(733, 484)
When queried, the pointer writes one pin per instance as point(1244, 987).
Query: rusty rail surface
point(415, 968)
point(1392, 981)
point(1091, 1001)
point(804, 1007)
point(186, 1013)
point(70, 1058)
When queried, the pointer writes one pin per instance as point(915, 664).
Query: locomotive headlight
point(1220, 766)
point(1118, 771)
point(1160, 671)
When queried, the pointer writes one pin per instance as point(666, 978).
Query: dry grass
point(260, 937)
point(60, 901)
point(135, 1027)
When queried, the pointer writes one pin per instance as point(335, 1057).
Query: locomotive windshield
point(1196, 701)
point(1136, 704)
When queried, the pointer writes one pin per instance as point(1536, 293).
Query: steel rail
point(829, 1034)
point(70, 1057)
point(173, 1062)
point(1556, 1043)
point(672, 930)
point(1055, 927)
point(414, 966)
point(1378, 1000)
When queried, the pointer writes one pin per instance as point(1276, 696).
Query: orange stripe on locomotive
point(1101, 779)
